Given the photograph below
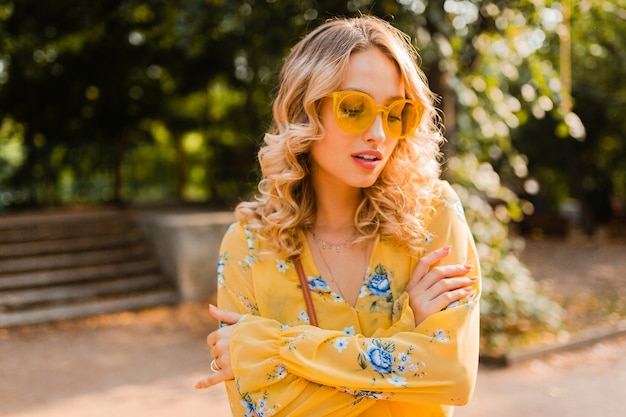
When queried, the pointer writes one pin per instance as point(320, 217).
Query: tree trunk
point(119, 152)
point(439, 84)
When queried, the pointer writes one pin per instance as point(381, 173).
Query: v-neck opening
point(307, 256)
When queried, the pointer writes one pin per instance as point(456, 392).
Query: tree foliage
point(167, 100)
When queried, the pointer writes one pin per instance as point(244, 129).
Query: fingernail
point(212, 307)
point(468, 267)
point(446, 249)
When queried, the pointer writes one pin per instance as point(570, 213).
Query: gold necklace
point(330, 271)
point(332, 276)
point(331, 245)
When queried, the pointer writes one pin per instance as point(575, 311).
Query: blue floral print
point(359, 395)
point(380, 360)
point(258, 409)
point(317, 284)
point(281, 265)
point(440, 335)
point(222, 262)
point(378, 356)
point(378, 283)
point(340, 344)
point(369, 394)
point(349, 331)
point(278, 373)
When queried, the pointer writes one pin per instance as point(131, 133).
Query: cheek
point(391, 148)
point(327, 119)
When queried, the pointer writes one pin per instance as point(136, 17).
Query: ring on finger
point(214, 366)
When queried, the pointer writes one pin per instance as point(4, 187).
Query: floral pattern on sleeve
point(258, 408)
point(379, 357)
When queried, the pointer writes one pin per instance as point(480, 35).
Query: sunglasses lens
point(402, 118)
point(354, 112)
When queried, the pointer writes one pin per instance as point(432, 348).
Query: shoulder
point(443, 191)
point(447, 199)
point(243, 238)
point(238, 234)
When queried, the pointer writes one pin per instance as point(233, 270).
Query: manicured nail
point(446, 249)
point(468, 267)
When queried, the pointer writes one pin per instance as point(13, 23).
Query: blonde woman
point(349, 286)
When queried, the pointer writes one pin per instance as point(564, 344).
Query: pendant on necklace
point(331, 245)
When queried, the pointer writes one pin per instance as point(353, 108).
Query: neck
point(335, 212)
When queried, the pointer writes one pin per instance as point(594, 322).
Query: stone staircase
point(74, 264)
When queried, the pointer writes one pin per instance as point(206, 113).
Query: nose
point(376, 132)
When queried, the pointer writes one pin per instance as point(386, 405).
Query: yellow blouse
point(366, 360)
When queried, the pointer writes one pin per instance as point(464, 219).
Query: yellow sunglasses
point(356, 111)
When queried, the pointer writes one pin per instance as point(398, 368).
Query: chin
point(364, 183)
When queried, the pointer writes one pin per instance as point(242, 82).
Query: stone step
point(67, 244)
point(67, 264)
point(87, 308)
point(76, 274)
point(68, 260)
point(64, 228)
point(25, 298)
point(52, 216)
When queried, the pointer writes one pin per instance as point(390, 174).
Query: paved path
point(112, 366)
point(584, 383)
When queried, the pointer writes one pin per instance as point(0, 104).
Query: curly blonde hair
point(399, 203)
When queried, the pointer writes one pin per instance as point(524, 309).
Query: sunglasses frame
point(339, 96)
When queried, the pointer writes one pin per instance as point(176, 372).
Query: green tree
point(589, 166)
point(168, 100)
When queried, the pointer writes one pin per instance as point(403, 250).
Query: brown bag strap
point(305, 291)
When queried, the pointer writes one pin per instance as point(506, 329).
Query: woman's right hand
point(432, 288)
point(219, 342)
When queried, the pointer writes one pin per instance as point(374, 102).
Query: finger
point(449, 297)
point(221, 371)
point(211, 380)
point(228, 317)
point(426, 263)
point(443, 273)
point(435, 275)
point(213, 352)
point(220, 352)
point(430, 259)
point(451, 284)
point(211, 339)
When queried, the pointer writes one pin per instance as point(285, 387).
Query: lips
point(369, 155)
point(367, 159)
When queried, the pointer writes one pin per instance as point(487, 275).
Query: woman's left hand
point(219, 342)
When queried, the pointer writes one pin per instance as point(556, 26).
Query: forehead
point(373, 72)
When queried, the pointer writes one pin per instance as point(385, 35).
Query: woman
point(350, 193)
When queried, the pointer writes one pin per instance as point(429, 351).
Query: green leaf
point(362, 360)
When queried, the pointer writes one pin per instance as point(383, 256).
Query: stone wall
point(187, 246)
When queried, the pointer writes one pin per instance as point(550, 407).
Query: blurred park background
point(121, 105)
